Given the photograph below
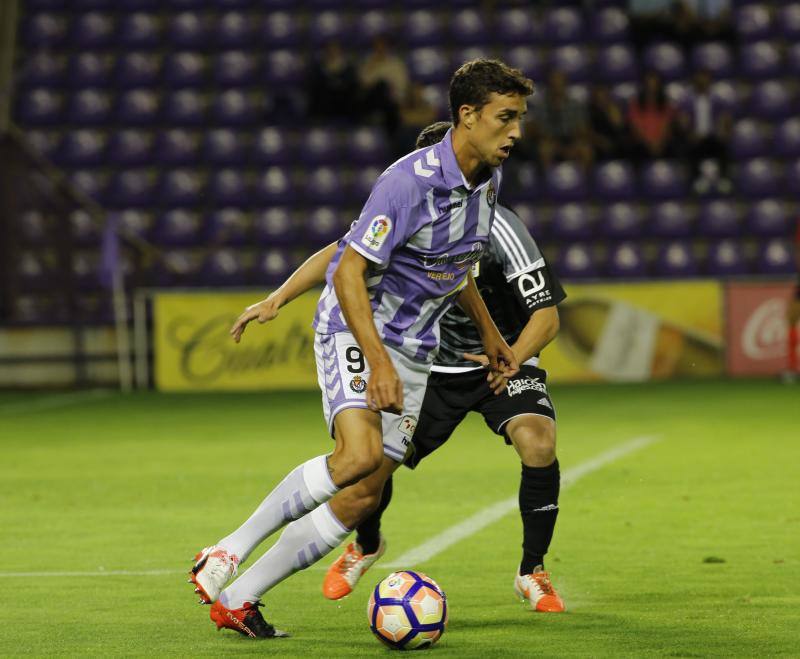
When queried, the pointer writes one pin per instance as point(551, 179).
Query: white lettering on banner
point(518, 385)
point(764, 335)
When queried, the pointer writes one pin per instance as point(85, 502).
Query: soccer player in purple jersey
point(403, 263)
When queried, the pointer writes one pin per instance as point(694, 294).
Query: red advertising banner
point(756, 327)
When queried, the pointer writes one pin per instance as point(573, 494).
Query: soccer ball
point(407, 611)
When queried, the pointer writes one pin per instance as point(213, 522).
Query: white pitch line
point(483, 518)
point(54, 401)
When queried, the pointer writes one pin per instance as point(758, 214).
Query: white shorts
point(343, 372)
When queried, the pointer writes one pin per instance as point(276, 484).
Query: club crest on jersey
point(376, 232)
point(358, 384)
point(407, 425)
point(491, 194)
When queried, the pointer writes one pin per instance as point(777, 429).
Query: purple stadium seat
point(136, 222)
point(725, 258)
point(529, 60)
point(468, 53)
point(719, 219)
point(235, 108)
point(229, 187)
point(573, 61)
point(139, 30)
point(138, 107)
point(793, 59)
point(671, 219)
point(789, 22)
point(92, 183)
point(177, 147)
point(181, 187)
point(793, 176)
point(727, 95)
point(44, 69)
point(622, 220)
point(225, 267)
point(82, 148)
point(676, 259)
point(521, 182)
point(623, 92)
point(714, 57)
point(235, 68)
point(188, 30)
point(228, 226)
point(469, 27)
point(663, 179)
point(222, 146)
point(274, 186)
point(368, 146)
point(323, 226)
point(320, 146)
point(757, 178)
point(90, 70)
point(44, 30)
point(679, 93)
point(281, 30)
point(787, 138)
point(776, 257)
point(616, 63)
point(185, 107)
point(363, 181)
point(750, 139)
point(572, 222)
point(437, 96)
point(329, 26)
point(138, 70)
point(753, 22)
point(271, 146)
point(626, 260)
point(373, 23)
point(667, 59)
point(422, 28)
point(566, 182)
point(185, 70)
point(34, 228)
point(284, 67)
point(610, 25)
point(274, 226)
point(92, 30)
point(428, 65)
point(234, 29)
point(324, 185)
point(89, 107)
point(272, 267)
point(760, 60)
point(39, 107)
point(43, 142)
point(614, 180)
point(85, 269)
point(772, 100)
point(515, 25)
point(181, 267)
point(768, 217)
point(33, 270)
point(576, 262)
point(563, 25)
point(130, 187)
point(84, 229)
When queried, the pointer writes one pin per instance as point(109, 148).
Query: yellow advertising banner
point(638, 332)
point(194, 351)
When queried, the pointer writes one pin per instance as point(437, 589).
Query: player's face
point(497, 126)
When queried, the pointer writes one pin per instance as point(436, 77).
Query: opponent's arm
point(308, 275)
point(384, 388)
point(540, 329)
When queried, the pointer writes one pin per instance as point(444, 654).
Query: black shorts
point(449, 396)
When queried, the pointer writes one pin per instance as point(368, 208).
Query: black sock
point(538, 505)
point(368, 532)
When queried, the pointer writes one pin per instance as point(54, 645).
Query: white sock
point(305, 488)
point(301, 544)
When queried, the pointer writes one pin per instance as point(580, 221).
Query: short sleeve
point(387, 220)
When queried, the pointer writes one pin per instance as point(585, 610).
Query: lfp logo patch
point(376, 233)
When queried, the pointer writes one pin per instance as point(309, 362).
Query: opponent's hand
point(385, 389)
point(263, 311)
point(497, 381)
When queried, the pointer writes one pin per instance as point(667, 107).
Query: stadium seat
point(725, 258)
point(760, 60)
point(715, 57)
point(44, 30)
point(515, 25)
point(667, 59)
point(750, 139)
point(274, 187)
point(609, 25)
point(573, 61)
point(428, 65)
point(367, 146)
point(284, 67)
point(188, 30)
point(529, 60)
point(323, 226)
point(274, 226)
point(793, 60)
point(177, 146)
point(616, 63)
point(281, 29)
point(468, 53)
point(776, 257)
point(235, 68)
point(565, 182)
point(43, 142)
point(614, 180)
point(767, 218)
point(235, 30)
point(788, 22)
point(235, 108)
point(40, 107)
point(663, 179)
point(138, 70)
point(85, 231)
point(139, 30)
point(89, 107)
point(727, 95)
point(719, 219)
point(757, 178)
point(576, 262)
point(787, 139)
point(521, 182)
point(222, 146)
point(92, 183)
point(468, 27)
point(180, 267)
point(92, 30)
point(320, 146)
point(793, 176)
point(82, 148)
point(225, 267)
point(363, 181)
point(671, 219)
point(422, 28)
point(373, 23)
point(272, 146)
point(138, 107)
point(131, 187)
point(772, 100)
point(572, 222)
point(272, 268)
point(229, 187)
point(563, 25)
point(626, 260)
point(181, 187)
point(753, 22)
point(136, 222)
point(185, 107)
point(178, 227)
point(185, 69)
point(675, 259)
point(44, 70)
point(329, 25)
point(228, 226)
point(325, 185)
point(622, 221)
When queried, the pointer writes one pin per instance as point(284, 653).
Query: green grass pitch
point(688, 547)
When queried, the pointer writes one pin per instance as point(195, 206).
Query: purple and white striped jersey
point(422, 228)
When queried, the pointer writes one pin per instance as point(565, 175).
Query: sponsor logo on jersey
point(491, 194)
point(358, 384)
point(518, 385)
point(376, 232)
point(449, 207)
point(407, 425)
point(461, 261)
point(441, 276)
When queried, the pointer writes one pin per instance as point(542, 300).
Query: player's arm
point(501, 359)
point(308, 275)
point(541, 329)
point(384, 388)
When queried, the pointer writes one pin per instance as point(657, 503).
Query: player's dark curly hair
point(432, 134)
point(474, 81)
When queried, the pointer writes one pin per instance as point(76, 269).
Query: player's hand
point(497, 381)
point(263, 311)
point(385, 389)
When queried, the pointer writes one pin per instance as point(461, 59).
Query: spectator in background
point(416, 112)
point(708, 128)
point(607, 124)
point(385, 82)
point(559, 127)
point(652, 120)
point(333, 84)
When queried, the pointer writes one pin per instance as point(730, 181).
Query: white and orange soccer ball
point(407, 611)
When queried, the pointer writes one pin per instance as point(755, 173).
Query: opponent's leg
point(368, 533)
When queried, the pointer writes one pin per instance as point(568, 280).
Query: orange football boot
point(538, 590)
point(247, 620)
point(345, 572)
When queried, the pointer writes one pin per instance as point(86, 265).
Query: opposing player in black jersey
point(521, 293)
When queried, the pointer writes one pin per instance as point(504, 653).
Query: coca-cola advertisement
point(756, 327)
